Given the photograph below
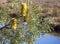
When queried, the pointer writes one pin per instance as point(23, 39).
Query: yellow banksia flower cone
point(23, 9)
point(14, 23)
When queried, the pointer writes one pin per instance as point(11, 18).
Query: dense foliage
point(26, 32)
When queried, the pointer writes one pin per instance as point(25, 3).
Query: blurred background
point(37, 23)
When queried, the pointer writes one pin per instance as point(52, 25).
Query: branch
point(5, 26)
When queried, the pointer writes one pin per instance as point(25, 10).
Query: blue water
point(48, 39)
point(1, 25)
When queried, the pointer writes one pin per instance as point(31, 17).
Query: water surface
point(47, 39)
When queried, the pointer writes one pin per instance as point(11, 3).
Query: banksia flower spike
point(14, 23)
point(23, 9)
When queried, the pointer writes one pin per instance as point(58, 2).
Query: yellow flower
point(14, 23)
point(14, 26)
point(23, 9)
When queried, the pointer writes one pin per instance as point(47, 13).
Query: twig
point(5, 25)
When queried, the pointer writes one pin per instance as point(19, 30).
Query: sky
point(48, 39)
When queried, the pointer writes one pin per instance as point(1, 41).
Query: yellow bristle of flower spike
point(14, 20)
point(14, 23)
point(23, 9)
point(14, 26)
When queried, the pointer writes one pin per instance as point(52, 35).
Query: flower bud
point(14, 23)
point(23, 9)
